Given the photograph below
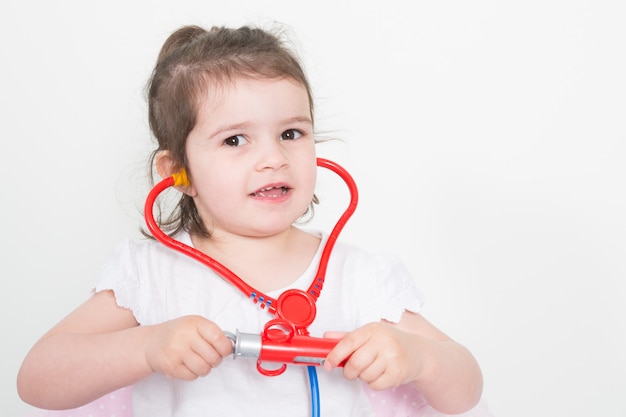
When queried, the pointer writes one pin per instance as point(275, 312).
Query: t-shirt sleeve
point(386, 290)
point(119, 274)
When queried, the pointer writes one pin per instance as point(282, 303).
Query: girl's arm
point(386, 355)
point(100, 347)
point(94, 350)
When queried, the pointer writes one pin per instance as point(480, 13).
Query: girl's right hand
point(186, 348)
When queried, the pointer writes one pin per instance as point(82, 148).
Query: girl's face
point(251, 156)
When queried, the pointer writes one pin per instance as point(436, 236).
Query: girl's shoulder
point(367, 275)
point(353, 256)
point(146, 248)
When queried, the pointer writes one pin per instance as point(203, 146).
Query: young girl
point(234, 109)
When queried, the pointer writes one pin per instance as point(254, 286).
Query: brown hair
point(191, 60)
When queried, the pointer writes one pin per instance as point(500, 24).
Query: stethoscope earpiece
point(181, 178)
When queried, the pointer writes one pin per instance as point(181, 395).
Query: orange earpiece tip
point(180, 178)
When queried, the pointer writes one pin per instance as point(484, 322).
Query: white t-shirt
point(158, 284)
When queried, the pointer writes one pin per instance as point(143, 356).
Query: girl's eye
point(236, 140)
point(290, 134)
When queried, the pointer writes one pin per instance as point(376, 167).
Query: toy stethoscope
point(286, 338)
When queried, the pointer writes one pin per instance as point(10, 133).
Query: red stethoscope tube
point(294, 306)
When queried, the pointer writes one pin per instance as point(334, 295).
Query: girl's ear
point(166, 167)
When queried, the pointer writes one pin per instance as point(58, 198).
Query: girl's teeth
point(275, 192)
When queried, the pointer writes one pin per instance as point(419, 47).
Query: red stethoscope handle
point(279, 343)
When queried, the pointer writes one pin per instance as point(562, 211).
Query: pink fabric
point(115, 404)
point(404, 401)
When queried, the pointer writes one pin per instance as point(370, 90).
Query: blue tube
point(315, 391)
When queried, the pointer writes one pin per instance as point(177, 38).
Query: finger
point(361, 360)
point(196, 366)
point(334, 335)
point(344, 349)
point(182, 372)
point(213, 335)
point(373, 371)
point(383, 381)
point(207, 353)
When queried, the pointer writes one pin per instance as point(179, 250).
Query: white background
point(487, 139)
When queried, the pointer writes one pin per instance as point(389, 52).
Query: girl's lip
point(271, 191)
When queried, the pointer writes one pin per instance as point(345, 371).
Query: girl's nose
point(271, 156)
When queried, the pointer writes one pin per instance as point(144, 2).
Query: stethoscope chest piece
point(297, 307)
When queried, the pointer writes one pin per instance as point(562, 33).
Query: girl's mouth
point(270, 192)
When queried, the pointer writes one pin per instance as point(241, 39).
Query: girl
point(234, 109)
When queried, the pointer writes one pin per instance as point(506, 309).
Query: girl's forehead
point(250, 101)
point(241, 90)
point(219, 88)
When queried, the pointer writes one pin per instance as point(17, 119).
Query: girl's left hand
point(377, 353)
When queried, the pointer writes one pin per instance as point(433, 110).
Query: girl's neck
point(266, 263)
